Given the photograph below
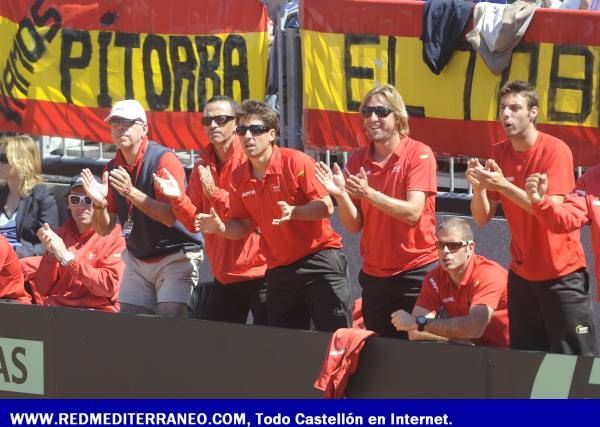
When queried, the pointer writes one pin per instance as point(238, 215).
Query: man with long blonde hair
point(388, 193)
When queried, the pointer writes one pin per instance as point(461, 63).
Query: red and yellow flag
point(351, 45)
point(63, 63)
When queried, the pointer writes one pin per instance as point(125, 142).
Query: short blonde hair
point(394, 101)
point(23, 154)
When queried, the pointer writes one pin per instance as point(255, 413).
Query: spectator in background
point(276, 191)
point(238, 265)
point(389, 194)
point(11, 276)
point(161, 260)
point(464, 299)
point(80, 268)
point(26, 202)
point(548, 283)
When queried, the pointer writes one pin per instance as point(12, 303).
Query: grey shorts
point(170, 279)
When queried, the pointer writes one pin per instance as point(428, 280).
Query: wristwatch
point(69, 256)
point(421, 322)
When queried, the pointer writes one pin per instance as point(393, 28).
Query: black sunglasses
point(255, 130)
point(452, 246)
point(119, 121)
point(380, 111)
point(75, 199)
point(220, 120)
point(3, 159)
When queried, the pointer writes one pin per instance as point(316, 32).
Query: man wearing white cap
point(161, 257)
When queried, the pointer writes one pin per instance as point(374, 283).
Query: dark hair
point(235, 108)
point(252, 108)
point(523, 88)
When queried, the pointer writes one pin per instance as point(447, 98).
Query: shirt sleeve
point(421, 174)
point(559, 168)
point(307, 179)
point(564, 217)
point(490, 287)
point(237, 210)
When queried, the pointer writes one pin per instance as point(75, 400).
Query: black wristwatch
point(421, 322)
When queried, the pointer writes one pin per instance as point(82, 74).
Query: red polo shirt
point(290, 177)
point(389, 246)
point(231, 261)
point(484, 283)
point(537, 253)
point(168, 161)
point(11, 275)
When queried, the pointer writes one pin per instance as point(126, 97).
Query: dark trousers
point(552, 315)
point(315, 287)
point(232, 302)
point(381, 296)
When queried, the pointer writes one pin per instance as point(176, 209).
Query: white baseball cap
point(128, 109)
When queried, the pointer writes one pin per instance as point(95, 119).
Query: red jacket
point(11, 276)
point(92, 279)
point(341, 360)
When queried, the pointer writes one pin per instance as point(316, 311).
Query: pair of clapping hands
point(490, 177)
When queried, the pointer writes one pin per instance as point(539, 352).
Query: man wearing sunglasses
point(276, 191)
point(161, 257)
point(463, 299)
point(388, 193)
point(80, 268)
point(238, 265)
point(548, 282)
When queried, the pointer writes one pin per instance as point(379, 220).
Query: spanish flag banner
point(63, 63)
point(349, 46)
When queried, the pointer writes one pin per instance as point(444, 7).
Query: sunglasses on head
point(75, 199)
point(119, 121)
point(220, 120)
point(380, 111)
point(255, 130)
point(452, 246)
point(3, 159)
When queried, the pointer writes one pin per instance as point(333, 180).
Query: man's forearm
point(158, 211)
point(480, 207)
point(403, 210)
point(518, 196)
point(313, 210)
point(463, 327)
point(349, 215)
point(236, 229)
point(102, 221)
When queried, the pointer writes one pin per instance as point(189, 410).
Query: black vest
point(150, 238)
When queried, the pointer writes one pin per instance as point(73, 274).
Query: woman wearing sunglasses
point(389, 194)
point(26, 203)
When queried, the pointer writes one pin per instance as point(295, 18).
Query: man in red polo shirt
point(463, 299)
point(80, 268)
point(548, 284)
point(238, 265)
point(276, 191)
point(161, 257)
point(389, 194)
